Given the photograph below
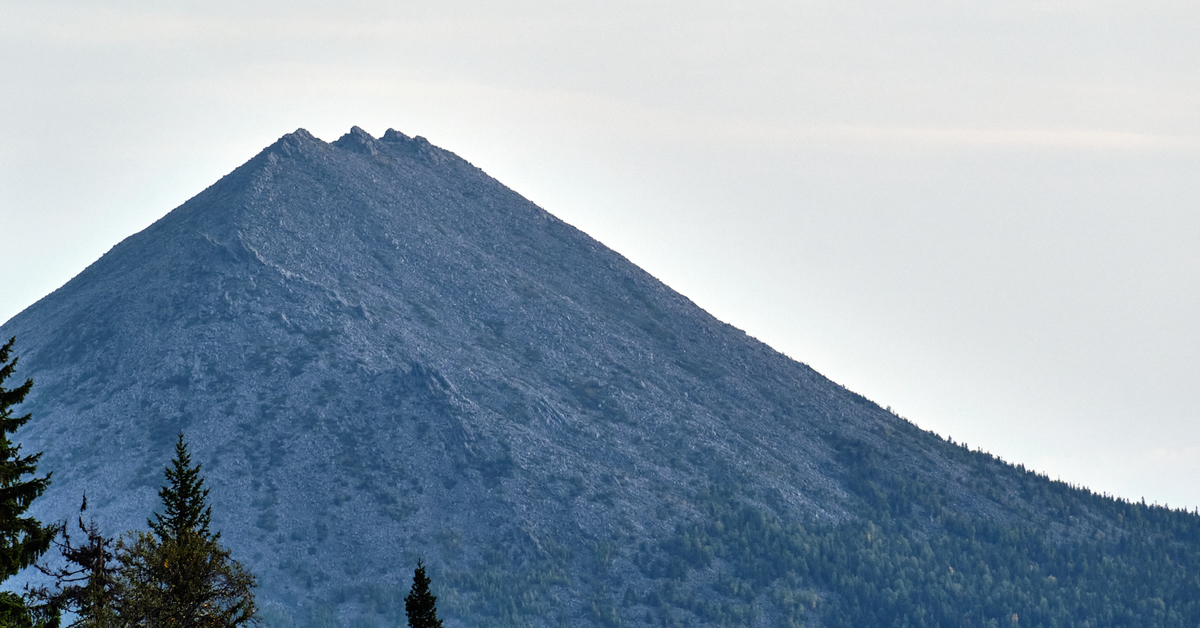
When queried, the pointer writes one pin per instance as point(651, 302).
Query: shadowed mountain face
point(380, 353)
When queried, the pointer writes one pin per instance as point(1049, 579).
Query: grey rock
point(379, 353)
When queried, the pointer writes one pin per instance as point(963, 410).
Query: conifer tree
point(184, 498)
point(179, 575)
point(87, 584)
point(420, 605)
point(23, 539)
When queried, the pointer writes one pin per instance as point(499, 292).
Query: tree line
point(177, 574)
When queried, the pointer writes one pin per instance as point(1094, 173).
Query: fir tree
point(420, 605)
point(22, 539)
point(188, 582)
point(184, 498)
point(179, 575)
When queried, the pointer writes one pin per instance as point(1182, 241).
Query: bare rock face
point(379, 353)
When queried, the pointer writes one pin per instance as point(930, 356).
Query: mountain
point(380, 354)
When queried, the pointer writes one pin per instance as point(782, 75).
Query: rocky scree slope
point(380, 353)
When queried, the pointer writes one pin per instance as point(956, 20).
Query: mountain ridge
point(379, 353)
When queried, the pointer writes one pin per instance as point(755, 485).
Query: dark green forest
point(914, 561)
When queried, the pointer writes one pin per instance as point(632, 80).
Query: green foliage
point(15, 612)
point(179, 576)
point(184, 499)
point(187, 581)
point(512, 581)
point(914, 559)
point(420, 605)
point(23, 539)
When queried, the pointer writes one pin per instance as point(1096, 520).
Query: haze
point(983, 215)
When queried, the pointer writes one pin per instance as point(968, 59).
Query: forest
point(915, 561)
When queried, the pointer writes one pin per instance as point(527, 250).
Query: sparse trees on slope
point(420, 605)
point(178, 575)
point(23, 539)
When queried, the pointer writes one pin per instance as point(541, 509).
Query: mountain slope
point(380, 353)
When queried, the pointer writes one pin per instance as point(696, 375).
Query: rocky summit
point(379, 354)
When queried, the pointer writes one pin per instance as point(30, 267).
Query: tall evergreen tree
point(420, 605)
point(184, 498)
point(188, 582)
point(179, 575)
point(23, 539)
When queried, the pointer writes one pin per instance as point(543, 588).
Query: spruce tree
point(179, 575)
point(420, 605)
point(184, 498)
point(188, 582)
point(23, 539)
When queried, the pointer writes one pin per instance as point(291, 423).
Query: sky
point(985, 215)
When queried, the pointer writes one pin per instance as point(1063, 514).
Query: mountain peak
point(392, 135)
point(359, 141)
point(291, 143)
point(380, 353)
point(413, 145)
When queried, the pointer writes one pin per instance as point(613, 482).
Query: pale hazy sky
point(983, 214)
